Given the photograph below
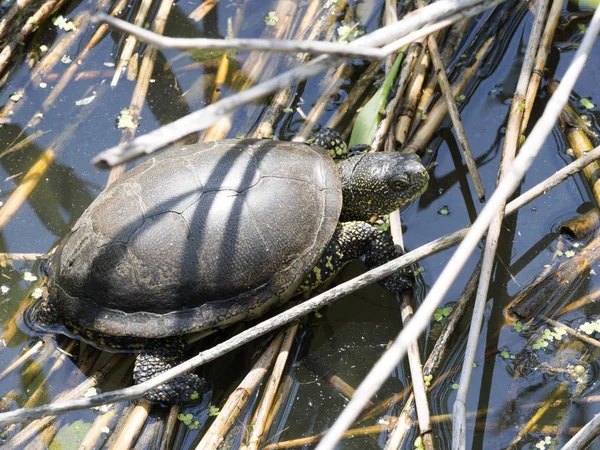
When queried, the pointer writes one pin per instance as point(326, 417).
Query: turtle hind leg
point(160, 355)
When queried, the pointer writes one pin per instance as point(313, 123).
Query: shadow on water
point(62, 195)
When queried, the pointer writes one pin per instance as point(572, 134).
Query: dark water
point(350, 335)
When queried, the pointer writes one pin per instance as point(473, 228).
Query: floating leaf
point(444, 211)
point(569, 253)
point(427, 379)
point(271, 19)
point(213, 411)
point(587, 104)
point(185, 418)
point(368, 118)
point(28, 276)
point(419, 445)
point(349, 32)
point(63, 24)
point(125, 119)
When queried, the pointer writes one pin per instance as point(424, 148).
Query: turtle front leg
point(353, 240)
point(160, 355)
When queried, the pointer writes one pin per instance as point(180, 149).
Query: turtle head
point(379, 183)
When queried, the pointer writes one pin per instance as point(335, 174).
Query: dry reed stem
point(201, 11)
point(37, 171)
point(141, 87)
point(21, 359)
point(324, 25)
point(7, 18)
point(416, 369)
point(445, 11)
point(461, 136)
point(585, 300)
point(296, 312)
point(260, 418)
point(220, 77)
point(23, 143)
point(358, 90)
point(357, 432)
point(34, 21)
point(438, 353)
point(511, 142)
point(408, 64)
point(451, 44)
point(130, 42)
point(509, 183)
point(540, 60)
point(61, 356)
point(247, 44)
point(317, 110)
point(547, 406)
point(258, 65)
point(72, 69)
point(416, 375)
point(283, 393)
point(40, 390)
point(167, 437)
point(573, 332)
point(406, 109)
point(585, 436)
point(239, 397)
point(28, 184)
point(58, 50)
point(310, 16)
point(580, 144)
point(103, 421)
point(107, 419)
point(132, 427)
point(423, 135)
point(35, 368)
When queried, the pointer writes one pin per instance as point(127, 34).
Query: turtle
point(210, 234)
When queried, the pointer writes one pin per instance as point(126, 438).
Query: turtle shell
point(198, 237)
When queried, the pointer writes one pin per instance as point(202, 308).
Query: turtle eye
point(400, 183)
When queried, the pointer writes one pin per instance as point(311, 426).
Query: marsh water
point(345, 339)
